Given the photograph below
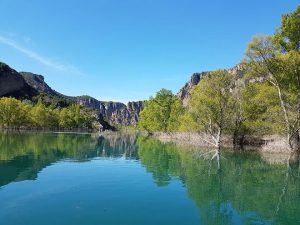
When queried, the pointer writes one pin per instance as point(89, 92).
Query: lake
point(126, 180)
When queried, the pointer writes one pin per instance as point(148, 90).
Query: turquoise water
point(122, 179)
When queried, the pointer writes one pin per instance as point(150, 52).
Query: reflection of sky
point(106, 191)
point(245, 218)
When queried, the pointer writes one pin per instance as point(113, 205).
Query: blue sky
point(125, 50)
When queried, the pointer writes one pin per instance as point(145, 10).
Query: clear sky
point(125, 50)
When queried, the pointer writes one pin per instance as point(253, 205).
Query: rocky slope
point(26, 85)
point(115, 112)
point(38, 82)
point(185, 91)
point(13, 84)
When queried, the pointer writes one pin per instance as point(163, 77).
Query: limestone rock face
point(90, 102)
point(185, 92)
point(128, 115)
point(25, 85)
point(38, 82)
point(116, 113)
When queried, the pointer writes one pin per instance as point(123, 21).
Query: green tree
point(65, 120)
point(176, 113)
point(16, 114)
point(159, 113)
point(13, 113)
point(74, 117)
point(41, 116)
point(267, 61)
point(210, 105)
point(261, 109)
point(288, 35)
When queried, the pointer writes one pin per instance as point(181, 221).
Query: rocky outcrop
point(26, 85)
point(185, 92)
point(116, 113)
point(128, 115)
point(13, 84)
point(38, 82)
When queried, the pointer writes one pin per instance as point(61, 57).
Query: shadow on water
point(229, 187)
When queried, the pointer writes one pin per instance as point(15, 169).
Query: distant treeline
point(266, 100)
point(16, 114)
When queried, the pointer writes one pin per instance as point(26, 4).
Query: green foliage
point(276, 60)
point(17, 114)
point(161, 112)
point(210, 105)
point(265, 101)
point(288, 35)
point(244, 180)
point(261, 109)
point(13, 112)
point(210, 100)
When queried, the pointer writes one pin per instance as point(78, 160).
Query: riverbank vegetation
point(16, 114)
point(264, 100)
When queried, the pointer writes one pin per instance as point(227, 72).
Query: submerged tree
point(276, 60)
point(267, 60)
point(210, 105)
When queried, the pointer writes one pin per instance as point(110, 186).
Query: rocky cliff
point(26, 85)
point(13, 84)
point(115, 112)
point(185, 91)
point(38, 82)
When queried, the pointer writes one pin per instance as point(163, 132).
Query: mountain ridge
point(184, 93)
point(27, 85)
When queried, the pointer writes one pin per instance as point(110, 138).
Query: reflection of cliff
point(247, 189)
point(118, 145)
point(22, 156)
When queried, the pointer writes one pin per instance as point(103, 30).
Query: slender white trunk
point(218, 139)
point(289, 131)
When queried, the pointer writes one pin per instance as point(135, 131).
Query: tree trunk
point(294, 141)
point(219, 135)
point(290, 134)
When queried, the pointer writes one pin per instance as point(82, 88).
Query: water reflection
point(22, 156)
point(228, 188)
point(244, 189)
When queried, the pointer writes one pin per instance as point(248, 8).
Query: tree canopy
point(160, 113)
point(17, 114)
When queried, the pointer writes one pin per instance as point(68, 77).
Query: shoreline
point(273, 144)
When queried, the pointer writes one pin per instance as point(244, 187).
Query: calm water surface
point(121, 179)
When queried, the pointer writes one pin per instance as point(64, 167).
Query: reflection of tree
point(22, 156)
point(247, 188)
